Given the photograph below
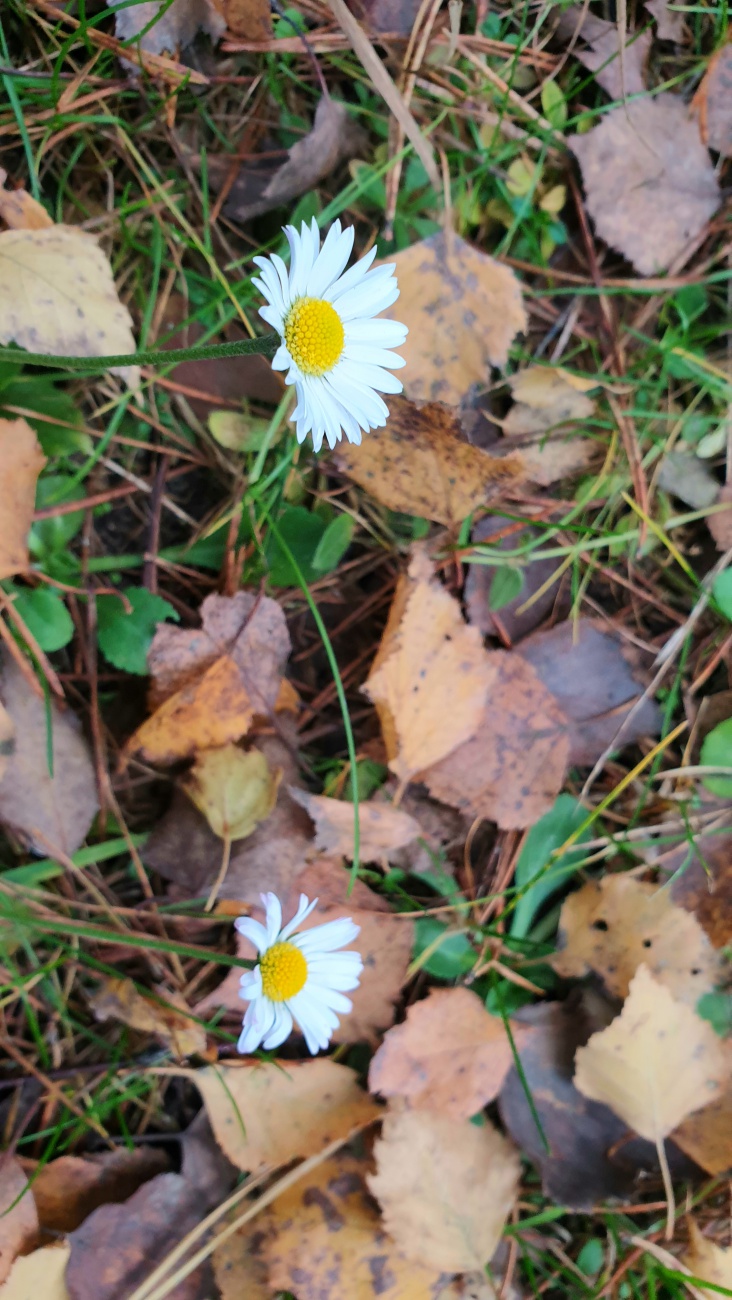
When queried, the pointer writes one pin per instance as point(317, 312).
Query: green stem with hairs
point(265, 347)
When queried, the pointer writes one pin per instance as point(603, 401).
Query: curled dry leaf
point(431, 677)
point(18, 1215)
point(67, 1190)
point(655, 1064)
point(57, 295)
point(19, 210)
point(463, 310)
point(619, 70)
point(171, 27)
point(709, 1262)
point(649, 181)
point(547, 397)
point(267, 1114)
point(613, 925)
point(449, 1056)
point(41, 1274)
point(207, 714)
point(383, 829)
point(706, 1136)
point(420, 464)
point(48, 812)
point(445, 1187)
point(165, 1016)
point(234, 791)
point(713, 102)
point(21, 461)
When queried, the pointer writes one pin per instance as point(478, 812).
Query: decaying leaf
point(396, 16)
point(614, 925)
point(649, 181)
point(42, 1274)
point(713, 101)
point(171, 27)
point(595, 678)
point(7, 739)
point(207, 714)
point(435, 677)
point(463, 310)
point(511, 770)
point(720, 522)
point(239, 1266)
point(450, 1055)
point(701, 881)
point(19, 210)
point(269, 1114)
point(420, 464)
point(18, 1215)
point(706, 1136)
point(709, 1262)
point(335, 137)
point(234, 790)
point(601, 52)
point(48, 812)
point(21, 461)
point(670, 24)
point(546, 397)
point(383, 829)
point(57, 295)
point(535, 574)
point(68, 1189)
point(655, 1064)
point(118, 999)
point(249, 19)
point(425, 1165)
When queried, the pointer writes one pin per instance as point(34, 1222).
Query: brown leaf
point(546, 397)
point(41, 1274)
point(48, 812)
point(207, 714)
point(720, 523)
point(435, 677)
point(18, 1216)
point(173, 29)
point(594, 678)
point(445, 1188)
point(269, 1114)
point(383, 829)
point(248, 628)
point(119, 1246)
point(21, 461)
point(449, 1056)
point(393, 16)
point(234, 790)
point(173, 1023)
point(7, 740)
point(325, 1241)
point(704, 886)
point(649, 181)
point(249, 19)
point(706, 1136)
point(511, 770)
point(709, 1262)
point(655, 1064)
point(535, 573)
point(463, 310)
point(713, 101)
point(670, 24)
point(19, 210)
point(420, 464)
point(335, 137)
point(602, 53)
point(613, 925)
point(68, 1189)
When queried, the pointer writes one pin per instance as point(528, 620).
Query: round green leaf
point(506, 585)
point(722, 592)
point(716, 751)
point(124, 634)
point(46, 617)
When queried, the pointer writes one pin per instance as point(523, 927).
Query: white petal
point(273, 919)
point(281, 1029)
point(330, 998)
point(324, 938)
point(365, 354)
point(331, 260)
point(304, 909)
point(351, 277)
point(365, 301)
point(250, 985)
point(376, 377)
point(256, 1025)
point(381, 333)
point(281, 359)
point(253, 931)
point(315, 1021)
point(273, 317)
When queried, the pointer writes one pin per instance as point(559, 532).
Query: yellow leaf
point(655, 1064)
point(206, 714)
point(21, 461)
point(20, 210)
point(709, 1262)
point(520, 177)
point(234, 791)
point(445, 1188)
point(554, 200)
point(118, 999)
point(40, 1276)
point(545, 398)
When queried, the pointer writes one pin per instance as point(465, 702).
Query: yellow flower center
point(314, 335)
point(284, 972)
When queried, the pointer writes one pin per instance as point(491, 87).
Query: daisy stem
point(266, 346)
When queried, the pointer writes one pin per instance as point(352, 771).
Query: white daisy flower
point(334, 351)
point(298, 976)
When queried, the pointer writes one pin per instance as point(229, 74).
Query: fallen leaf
point(515, 621)
point(19, 210)
point(173, 1024)
point(463, 310)
point(335, 137)
point(649, 181)
point(249, 19)
point(393, 16)
point(21, 461)
point(323, 1239)
point(594, 676)
point(420, 464)
point(706, 1136)
point(239, 1266)
point(383, 829)
point(57, 295)
point(655, 1064)
point(48, 812)
point(171, 27)
point(119, 1246)
point(445, 1187)
point(234, 790)
point(7, 740)
point(614, 925)
point(684, 475)
point(435, 678)
point(720, 523)
point(68, 1189)
point(269, 1114)
point(41, 1274)
point(450, 1055)
point(670, 24)
point(511, 770)
point(545, 397)
point(248, 628)
point(442, 832)
point(620, 76)
point(207, 714)
point(700, 873)
point(712, 102)
point(18, 1216)
point(708, 1262)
